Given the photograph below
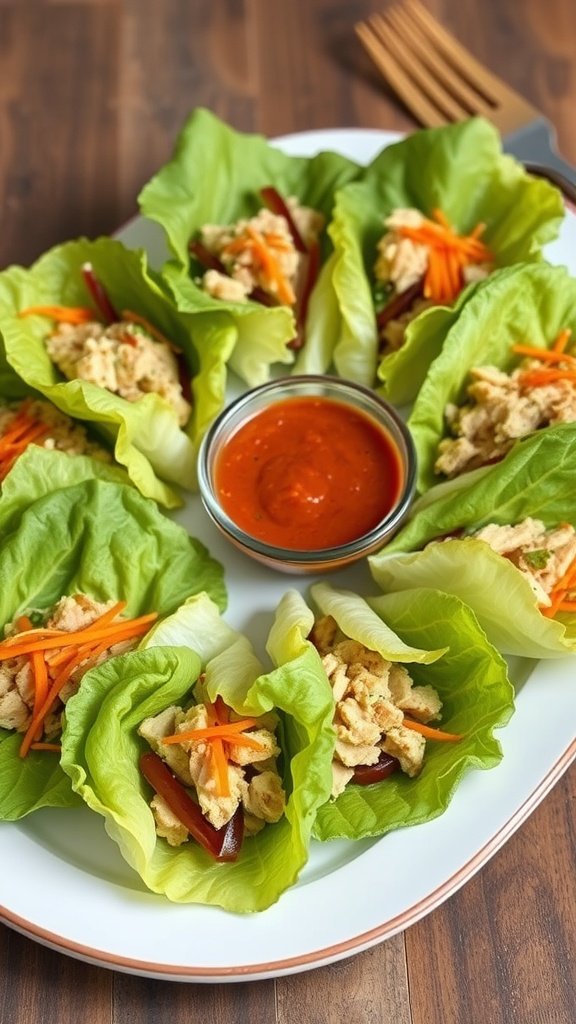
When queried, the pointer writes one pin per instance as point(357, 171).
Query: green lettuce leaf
point(472, 682)
point(441, 640)
point(535, 479)
point(237, 165)
point(467, 176)
point(100, 538)
point(529, 304)
point(101, 750)
point(144, 435)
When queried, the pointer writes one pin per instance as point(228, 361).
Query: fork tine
point(403, 85)
point(470, 100)
point(492, 87)
point(441, 89)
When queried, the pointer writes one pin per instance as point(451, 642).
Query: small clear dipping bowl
point(358, 399)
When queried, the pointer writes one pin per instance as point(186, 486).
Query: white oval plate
point(73, 892)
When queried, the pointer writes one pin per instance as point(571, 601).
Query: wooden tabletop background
point(92, 95)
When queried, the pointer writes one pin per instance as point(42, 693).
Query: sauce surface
point(308, 473)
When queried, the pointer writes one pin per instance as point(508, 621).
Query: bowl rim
point(365, 542)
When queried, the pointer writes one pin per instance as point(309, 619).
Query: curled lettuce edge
point(469, 674)
point(101, 750)
point(98, 537)
point(145, 436)
point(529, 304)
point(536, 480)
point(238, 164)
point(472, 181)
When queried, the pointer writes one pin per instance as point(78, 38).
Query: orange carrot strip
point(220, 764)
point(271, 268)
point(566, 606)
point(46, 746)
point(441, 218)
point(544, 354)
point(431, 733)
point(562, 340)
point(57, 686)
point(40, 673)
point(538, 378)
point(23, 623)
point(41, 632)
point(114, 632)
point(211, 731)
point(64, 314)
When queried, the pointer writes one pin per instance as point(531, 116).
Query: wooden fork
point(440, 82)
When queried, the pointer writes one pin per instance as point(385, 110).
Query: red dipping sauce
point(308, 473)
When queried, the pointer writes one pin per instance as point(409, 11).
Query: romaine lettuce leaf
point(535, 479)
point(527, 304)
point(238, 165)
point(144, 435)
point(101, 750)
point(442, 642)
point(100, 538)
point(471, 181)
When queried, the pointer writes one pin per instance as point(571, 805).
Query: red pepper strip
point(99, 294)
point(310, 268)
point(205, 257)
point(399, 304)
point(365, 774)
point(221, 843)
point(274, 201)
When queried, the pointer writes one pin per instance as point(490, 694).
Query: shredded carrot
point(544, 355)
point(56, 654)
point(22, 430)
point(220, 735)
point(124, 629)
point(212, 731)
point(431, 733)
point(47, 746)
point(561, 588)
point(449, 253)
point(562, 340)
point(539, 378)
point(63, 314)
point(262, 249)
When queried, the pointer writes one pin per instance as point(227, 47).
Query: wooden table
point(92, 95)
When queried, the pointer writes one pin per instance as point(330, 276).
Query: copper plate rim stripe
point(317, 957)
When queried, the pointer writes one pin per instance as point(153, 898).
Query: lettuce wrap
point(102, 747)
point(459, 169)
point(145, 435)
point(63, 536)
point(440, 641)
point(529, 304)
point(237, 166)
point(536, 479)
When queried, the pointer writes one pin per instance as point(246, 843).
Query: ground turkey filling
point(254, 781)
point(542, 555)
point(372, 696)
point(16, 677)
point(120, 357)
point(502, 408)
point(259, 253)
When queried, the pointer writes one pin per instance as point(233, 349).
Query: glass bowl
point(290, 489)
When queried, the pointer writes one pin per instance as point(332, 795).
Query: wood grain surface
point(92, 95)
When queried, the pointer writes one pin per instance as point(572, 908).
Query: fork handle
point(535, 146)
